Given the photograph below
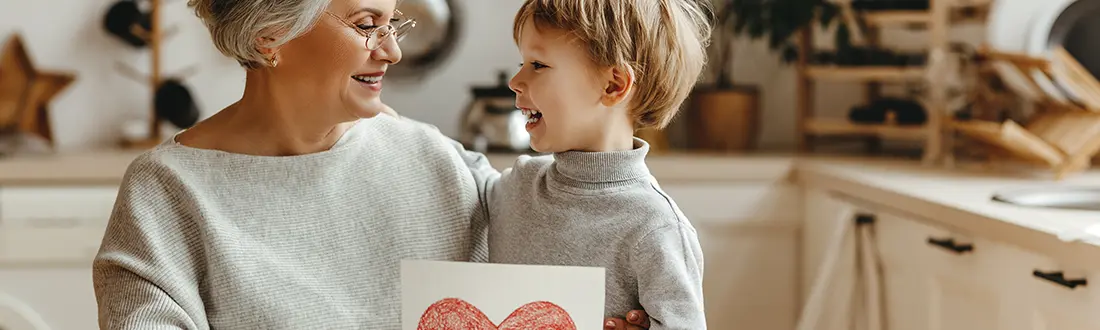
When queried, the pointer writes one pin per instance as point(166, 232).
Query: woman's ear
point(619, 85)
point(262, 45)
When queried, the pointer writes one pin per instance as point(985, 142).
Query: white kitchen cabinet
point(824, 215)
point(57, 298)
point(748, 230)
point(1048, 294)
point(938, 275)
point(52, 206)
point(935, 277)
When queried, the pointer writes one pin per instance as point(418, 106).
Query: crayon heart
point(457, 314)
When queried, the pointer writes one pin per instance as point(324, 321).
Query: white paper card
point(441, 295)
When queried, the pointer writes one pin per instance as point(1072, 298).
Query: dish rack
point(1063, 133)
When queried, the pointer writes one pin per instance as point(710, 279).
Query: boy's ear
point(619, 85)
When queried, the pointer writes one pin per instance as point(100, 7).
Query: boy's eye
point(536, 65)
point(366, 26)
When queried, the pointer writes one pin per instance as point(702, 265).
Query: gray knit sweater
point(602, 209)
point(203, 239)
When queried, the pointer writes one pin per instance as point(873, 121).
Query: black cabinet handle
point(949, 243)
point(1060, 278)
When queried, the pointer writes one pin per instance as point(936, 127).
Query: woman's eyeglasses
point(377, 35)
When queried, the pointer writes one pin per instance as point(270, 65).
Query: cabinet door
point(748, 233)
point(17, 315)
point(1048, 294)
point(59, 298)
point(824, 217)
point(934, 278)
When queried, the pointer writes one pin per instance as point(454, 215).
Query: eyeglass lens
point(380, 34)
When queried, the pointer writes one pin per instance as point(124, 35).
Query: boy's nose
point(516, 84)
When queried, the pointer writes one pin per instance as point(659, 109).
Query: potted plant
point(727, 114)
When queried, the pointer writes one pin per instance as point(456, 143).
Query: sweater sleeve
point(145, 275)
point(486, 177)
point(668, 263)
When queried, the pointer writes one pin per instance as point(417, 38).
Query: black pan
point(174, 103)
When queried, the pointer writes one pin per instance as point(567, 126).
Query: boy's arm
point(668, 263)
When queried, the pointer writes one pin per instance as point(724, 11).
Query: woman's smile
point(372, 81)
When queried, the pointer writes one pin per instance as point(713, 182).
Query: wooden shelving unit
point(937, 20)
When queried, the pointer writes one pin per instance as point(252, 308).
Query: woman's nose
point(389, 52)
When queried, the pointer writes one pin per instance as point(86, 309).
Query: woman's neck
point(273, 120)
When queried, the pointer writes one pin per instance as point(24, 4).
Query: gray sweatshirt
point(602, 210)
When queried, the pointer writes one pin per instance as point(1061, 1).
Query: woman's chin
point(368, 108)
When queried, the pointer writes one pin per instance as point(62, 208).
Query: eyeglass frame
point(381, 31)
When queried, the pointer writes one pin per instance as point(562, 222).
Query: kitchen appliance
point(492, 122)
point(439, 27)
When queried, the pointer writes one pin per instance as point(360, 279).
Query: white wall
point(67, 35)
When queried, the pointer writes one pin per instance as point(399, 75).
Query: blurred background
point(71, 37)
point(925, 118)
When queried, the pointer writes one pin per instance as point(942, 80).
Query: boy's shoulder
point(659, 207)
point(526, 165)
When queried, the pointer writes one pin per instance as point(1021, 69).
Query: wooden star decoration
point(25, 92)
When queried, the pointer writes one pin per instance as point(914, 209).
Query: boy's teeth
point(533, 116)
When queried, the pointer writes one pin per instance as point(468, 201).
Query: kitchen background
point(66, 35)
point(831, 239)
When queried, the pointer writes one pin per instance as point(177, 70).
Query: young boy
point(593, 72)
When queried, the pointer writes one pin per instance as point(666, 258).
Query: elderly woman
point(291, 208)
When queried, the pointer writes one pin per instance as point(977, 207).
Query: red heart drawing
point(457, 314)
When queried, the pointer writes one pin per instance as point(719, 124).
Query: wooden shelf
point(823, 126)
point(865, 73)
point(921, 17)
point(897, 17)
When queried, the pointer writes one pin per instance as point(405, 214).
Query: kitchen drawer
point(739, 201)
point(1038, 274)
point(905, 242)
point(1046, 291)
point(48, 246)
point(56, 206)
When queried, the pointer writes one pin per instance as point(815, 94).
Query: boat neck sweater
point(602, 209)
point(206, 239)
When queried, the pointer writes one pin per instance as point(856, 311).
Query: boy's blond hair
point(662, 41)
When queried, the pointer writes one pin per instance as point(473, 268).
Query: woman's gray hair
point(236, 25)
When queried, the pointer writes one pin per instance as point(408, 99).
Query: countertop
point(961, 198)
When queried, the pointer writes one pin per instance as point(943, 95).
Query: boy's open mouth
point(533, 116)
